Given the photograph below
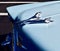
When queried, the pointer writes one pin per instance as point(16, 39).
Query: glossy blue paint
point(46, 36)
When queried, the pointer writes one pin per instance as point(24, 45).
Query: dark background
point(28, 0)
